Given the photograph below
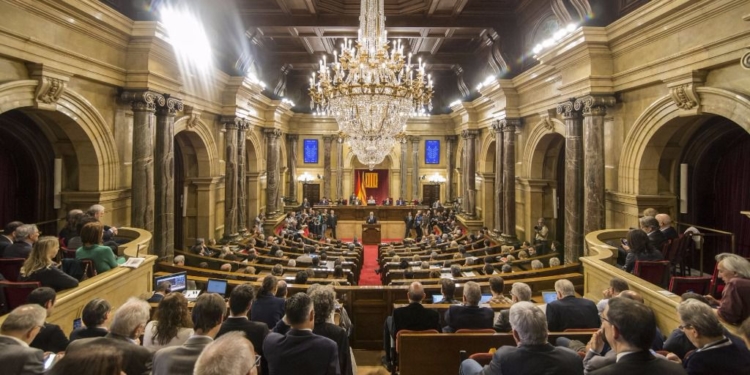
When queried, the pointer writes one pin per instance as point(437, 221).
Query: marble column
point(339, 168)
point(231, 176)
point(143, 104)
point(450, 150)
point(573, 181)
point(327, 144)
point(415, 167)
point(404, 147)
point(470, 168)
point(509, 179)
point(272, 172)
point(594, 109)
point(291, 144)
point(497, 126)
point(242, 218)
point(164, 177)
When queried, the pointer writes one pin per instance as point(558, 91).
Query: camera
point(537, 228)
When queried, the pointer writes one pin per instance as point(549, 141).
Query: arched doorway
point(545, 187)
point(489, 188)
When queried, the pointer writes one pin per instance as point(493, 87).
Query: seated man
point(533, 354)
point(519, 292)
point(127, 326)
point(412, 317)
point(240, 301)
point(51, 337)
point(229, 355)
point(162, 289)
point(95, 317)
point(569, 311)
point(24, 238)
point(300, 350)
point(469, 315)
point(448, 290)
point(16, 333)
point(371, 201)
point(497, 285)
point(616, 286)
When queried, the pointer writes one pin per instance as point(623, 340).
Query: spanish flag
point(361, 191)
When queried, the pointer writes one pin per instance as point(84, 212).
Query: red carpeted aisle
point(368, 275)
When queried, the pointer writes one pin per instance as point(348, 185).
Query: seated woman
point(640, 249)
point(39, 266)
point(103, 257)
point(734, 306)
point(172, 325)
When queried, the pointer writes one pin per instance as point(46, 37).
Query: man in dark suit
point(400, 202)
point(7, 238)
point(18, 330)
point(239, 306)
point(569, 311)
point(371, 219)
point(469, 315)
point(333, 220)
point(665, 226)
point(161, 290)
point(128, 324)
point(630, 327)
point(412, 317)
point(532, 354)
point(300, 350)
point(409, 222)
point(208, 315)
point(51, 338)
point(24, 238)
point(268, 308)
point(655, 236)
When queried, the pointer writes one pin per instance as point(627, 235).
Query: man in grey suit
point(208, 314)
point(18, 330)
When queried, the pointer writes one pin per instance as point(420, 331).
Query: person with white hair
point(533, 354)
point(569, 311)
point(230, 354)
point(18, 330)
point(734, 306)
point(179, 260)
point(519, 292)
point(469, 315)
point(127, 326)
point(97, 211)
point(24, 237)
point(665, 226)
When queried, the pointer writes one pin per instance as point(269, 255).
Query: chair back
point(581, 330)
point(482, 330)
point(17, 293)
point(483, 359)
point(700, 285)
point(655, 272)
point(68, 253)
point(398, 335)
point(10, 268)
point(89, 270)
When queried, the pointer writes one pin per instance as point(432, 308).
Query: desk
point(371, 234)
point(383, 213)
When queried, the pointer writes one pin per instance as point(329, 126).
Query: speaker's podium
point(371, 234)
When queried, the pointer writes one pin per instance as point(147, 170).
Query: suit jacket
point(180, 359)
point(50, 339)
point(267, 309)
point(18, 359)
point(641, 363)
point(371, 220)
point(416, 318)
point(256, 332)
point(4, 243)
point(670, 233)
point(658, 239)
point(409, 221)
point(340, 337)
point(332, 221)
point(136, 360)
point(534, 359)
point(86, 332)
point(17, 250)
point(470, 317)
point(572, 312)
point(301, 351)
point(723, 357)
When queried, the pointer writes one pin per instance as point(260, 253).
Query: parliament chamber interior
point(365, 187)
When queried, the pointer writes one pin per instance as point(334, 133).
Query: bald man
point(665, 226)
point(412, 317)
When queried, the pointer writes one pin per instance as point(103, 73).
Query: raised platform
point(383, 213)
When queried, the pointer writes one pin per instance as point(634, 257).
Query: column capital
point(469, 133)
point(234, 122)
point(329, 138)
point(414, 138)
point(170, 106)
point(508, 124)
point(272, 133)
point(568, 110)
point(142, 100)
point(594, 105)
point(451, 138)
point(292, 137)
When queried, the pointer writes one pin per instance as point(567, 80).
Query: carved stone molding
point(497, 126)
point(194, 117)
point(141, 101)
point(469, 133)
point(546, 121)
point(234, 122)
point(451, 138)
point(413, 138)
point(594, 105)
point(272, 133)
point(567, 110)
point(683, 90)
point(170, 106)
point(510, 124)
point(52, 84)
point(292, 137)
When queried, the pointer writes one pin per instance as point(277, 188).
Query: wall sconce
point(305, 178)
point(437, 179)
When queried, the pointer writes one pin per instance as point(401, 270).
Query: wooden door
point(430, 194)
point(311, 192)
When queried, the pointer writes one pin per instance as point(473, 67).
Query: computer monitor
point(178, 281)
point(217, 286)
point(549, 296)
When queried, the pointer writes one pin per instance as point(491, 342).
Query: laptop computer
point(549, 296)
point(437, 298)
point(217, 286)
point(485, 298)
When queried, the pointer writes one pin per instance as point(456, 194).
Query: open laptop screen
point(549, 296)
point(178, 281)
point(217, 286)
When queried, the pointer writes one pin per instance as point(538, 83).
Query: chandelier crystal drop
point(371, 89)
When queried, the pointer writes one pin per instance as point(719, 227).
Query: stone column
point(272, 171)
point(594, 109)
point(339, 168)
point(450, 150)
point(470, 168)
point(143, 104)
point(242, 218)
point(231, 176)
point(573, 181)
point(164, 177)
point(497, 126)
point(291, 144)
point(415, 167)
point(327, 143)
point(404, 146)
point(509, 179)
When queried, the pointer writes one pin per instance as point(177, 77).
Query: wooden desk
point(383, 213)
point(371, 234)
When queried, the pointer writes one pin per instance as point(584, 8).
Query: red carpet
point(368, 275)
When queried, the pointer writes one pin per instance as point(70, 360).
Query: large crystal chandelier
point(371, 89)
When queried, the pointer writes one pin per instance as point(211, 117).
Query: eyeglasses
point(257, 362)
point(604, 319)
point(686, 326)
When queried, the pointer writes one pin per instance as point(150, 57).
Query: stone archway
point(488, 188)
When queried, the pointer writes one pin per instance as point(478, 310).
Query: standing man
point(371, 219)
point(323, 223)
point(418, 221)
point(333, 220)
point(409, 221)
point(541, 235)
